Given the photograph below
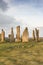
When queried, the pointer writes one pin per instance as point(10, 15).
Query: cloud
point(7, 20)
point(21, 12)
point(3, 5)
point(34, 2)
point(26, 15)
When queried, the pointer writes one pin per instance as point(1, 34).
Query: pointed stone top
point(25, 31)
point(18, 26)
point(26, 28)
point(2, 29)
point(11, 28)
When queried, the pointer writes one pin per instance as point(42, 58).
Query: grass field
point(30, 53)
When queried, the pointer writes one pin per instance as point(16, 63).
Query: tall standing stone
point(33, 35)
point(25, 35)
point(2, 36)
point(37, 34)
point(11, 36)
point(17, 34)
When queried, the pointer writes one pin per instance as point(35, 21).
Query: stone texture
point(25, 35)
point(37, 34)
point(33, 34)
point(2, 36)
point(11, 36)
point(17, 34)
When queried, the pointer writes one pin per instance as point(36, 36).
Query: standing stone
point(11, 36)
point(33, 35)
point(37, 34)
point(2, 36)
point(25, 35)
point(17, 34)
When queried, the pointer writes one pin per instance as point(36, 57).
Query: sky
point(26, 13)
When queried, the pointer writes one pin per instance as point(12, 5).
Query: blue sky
point(21, 12)
point(34, 3)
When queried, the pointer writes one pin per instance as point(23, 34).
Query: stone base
point(17, 40)
point(38, 40)
point(25, 41)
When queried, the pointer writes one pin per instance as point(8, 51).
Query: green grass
point(30, 53)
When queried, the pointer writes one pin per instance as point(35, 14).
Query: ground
point(30, 53)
